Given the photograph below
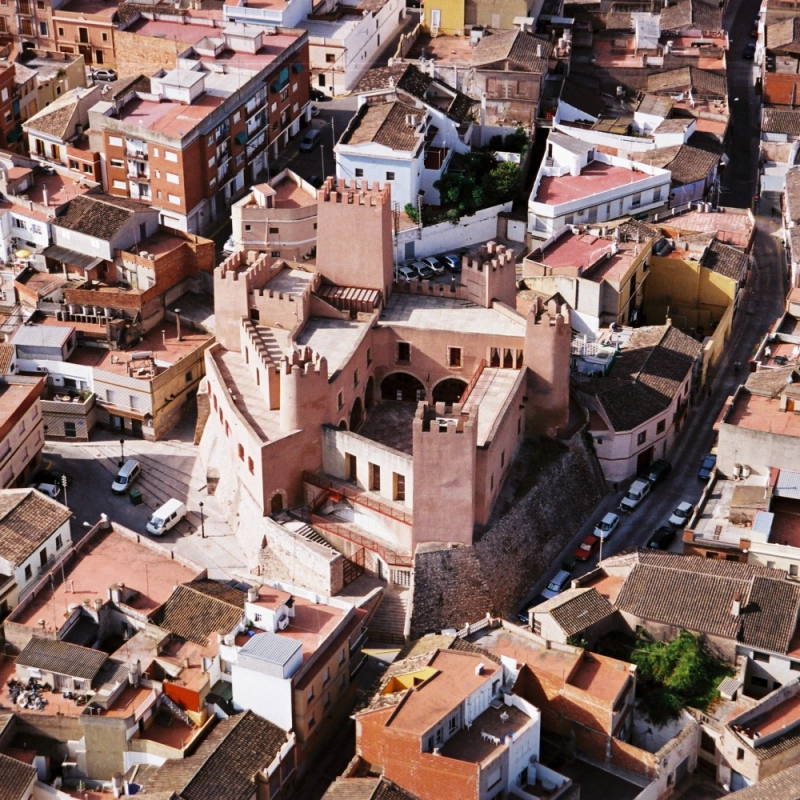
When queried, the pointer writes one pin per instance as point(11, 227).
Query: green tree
point(501, 184)
point(674, 674)
point(412, 212)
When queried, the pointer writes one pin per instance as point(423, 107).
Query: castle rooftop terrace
point(333, 339)
point(446, 314)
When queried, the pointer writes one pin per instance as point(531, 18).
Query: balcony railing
point(345, 531)
point(357, 496)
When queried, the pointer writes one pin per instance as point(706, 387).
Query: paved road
point(170, 468)
point(762, 304)
point(740, 177)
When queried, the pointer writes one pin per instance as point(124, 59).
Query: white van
point(166, 517)
point(126, 477)
point(638, 491)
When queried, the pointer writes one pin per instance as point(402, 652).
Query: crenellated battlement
point(436, 418)
point(489, 256)
point(356, 193)
point(549, 315)
point(256, 268)
point(305, 362)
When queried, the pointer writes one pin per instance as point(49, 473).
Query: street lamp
point(121, 452)
point(64, 484)
point(202, 522)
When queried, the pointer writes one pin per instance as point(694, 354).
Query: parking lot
point(170, 468)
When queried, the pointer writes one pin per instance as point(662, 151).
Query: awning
point(70, 257)
point(240, 138)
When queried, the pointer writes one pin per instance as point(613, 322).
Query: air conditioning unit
point(283, 623)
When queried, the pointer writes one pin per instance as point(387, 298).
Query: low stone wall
point(456, 584)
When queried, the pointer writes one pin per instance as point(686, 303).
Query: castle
point(388, 413)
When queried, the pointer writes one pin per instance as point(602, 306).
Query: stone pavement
point(170, 468)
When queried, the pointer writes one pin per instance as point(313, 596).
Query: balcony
point(139, 155)
point(57, 400)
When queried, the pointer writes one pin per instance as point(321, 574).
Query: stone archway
point(402, 386)
point(343, 425)
point(356, 415)
point(276, 503)
point(449, 391)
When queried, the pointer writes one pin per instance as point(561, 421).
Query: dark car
point(317, 96)
point(662, 538)
point(707, 467)
point(523, 615)
point(749, 52)
point(657, 472)
point(53, 476)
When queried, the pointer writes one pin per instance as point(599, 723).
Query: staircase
point(313, 535)
point(270, 343)
point(388, 623)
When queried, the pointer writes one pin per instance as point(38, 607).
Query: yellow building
point(696, 285)
point(444, 17)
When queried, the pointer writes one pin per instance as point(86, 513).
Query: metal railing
point(343, 531)
point(357, 496)
point(473, 381)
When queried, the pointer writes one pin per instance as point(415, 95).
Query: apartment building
point(578, 183)
point(191, 137)
point(21, 428)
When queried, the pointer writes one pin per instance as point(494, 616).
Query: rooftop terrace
point(472, 746)
point(756, 413)
point(446, 314)
point(594, 178)
point(489, 398)
point(101, 562)
point(165, 352)
point(333, 339)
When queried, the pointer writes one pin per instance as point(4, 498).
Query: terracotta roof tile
point(27, 519)
point(518, 48)
point(577, 609)
point(725, 260)
point(16, 778)
point(777, 120)
point(697, 594)
point(196, 610)
point(783, 786)
point(694, 14)
point(700, 81)
point(784, 35)
point(225, 764)
point(386, 124)
point(99, 215)
point(54, 120)
point(63, 658)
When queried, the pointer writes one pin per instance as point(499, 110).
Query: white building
point(577, 184)
point(34, 531)
point(341, 50)
point(409, 140)
point(286, 14)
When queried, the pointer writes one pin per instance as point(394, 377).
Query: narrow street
point(740, 177)
point(762, 304)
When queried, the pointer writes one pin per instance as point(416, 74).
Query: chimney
point(164, 337)
point(178, 323)
point(479, 668)
point(252, 594)
point(736, 610)
point(45, 197)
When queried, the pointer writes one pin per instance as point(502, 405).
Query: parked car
point(405, 273)
point(166, 517)
point(638, 491)
point(50, 489)
point(229, 247)
point(557, 585)
point(317, 96)
point(105, 75)
point(425, 271)
point(316, 181)
point(310, 140)
point(657, 471)
point(55, 476)
point(127, 476)
point(434, 263)
point(587, 547)
point(749, 52)
point(662, 538)
point(707, 467)
point(314, 111)
point(452, 261)
point(680, 516)
point(523, 617)
point(606, 526)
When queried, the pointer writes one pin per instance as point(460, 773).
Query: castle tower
point(548, 340)
point(444, 447)
point(305, 393)
point(490, 273)
point(354, 235)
